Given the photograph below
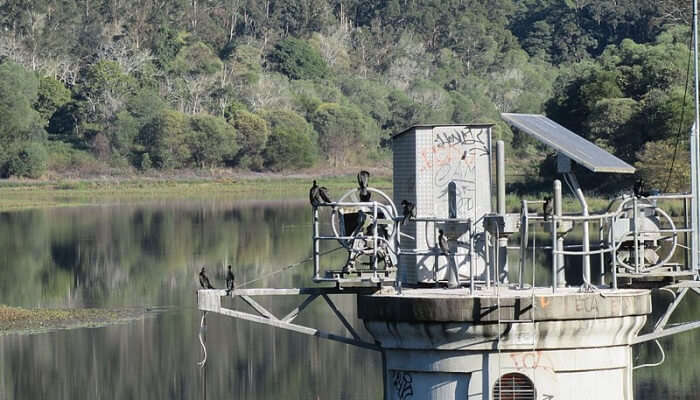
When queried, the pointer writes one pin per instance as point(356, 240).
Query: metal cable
point(323, 253)
point(680, 124)
point(663, 358)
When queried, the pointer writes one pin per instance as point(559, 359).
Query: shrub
point(27, 160)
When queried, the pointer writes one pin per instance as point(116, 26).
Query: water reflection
point(149, 254)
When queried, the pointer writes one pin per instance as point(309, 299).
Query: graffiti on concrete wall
point(403, 385)
point(453, 158)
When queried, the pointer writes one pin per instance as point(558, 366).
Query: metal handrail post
point(471, 258)
point(636, 237)
point(613, 254)
point(316, 244)
point(374, 237)
point(602, 255)
point(523, 242)
point(555, 256)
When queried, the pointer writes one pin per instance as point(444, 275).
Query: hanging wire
point(663, 358)
point(323, 253)
point(680, 124)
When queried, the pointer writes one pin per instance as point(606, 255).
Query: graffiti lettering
point(529, 360)
point(587, 304)
point(403, 384)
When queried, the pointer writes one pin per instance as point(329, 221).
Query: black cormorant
point(229, 281)
point(318, 195)
point(363, 181)
point(442, 242)
point(547, 207)
point(409, 210)
point(638, 188)
point(204, 280)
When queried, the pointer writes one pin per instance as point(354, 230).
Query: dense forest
point(278, 85)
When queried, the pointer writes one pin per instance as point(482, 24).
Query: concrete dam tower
point(466, 300)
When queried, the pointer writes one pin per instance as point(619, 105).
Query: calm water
point(149, 255)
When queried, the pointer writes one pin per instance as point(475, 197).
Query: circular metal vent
point(514, 386)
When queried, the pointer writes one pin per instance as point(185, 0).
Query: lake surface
point(121, 255)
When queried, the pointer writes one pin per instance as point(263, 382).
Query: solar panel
point(570, 144)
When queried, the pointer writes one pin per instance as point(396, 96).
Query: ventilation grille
point(514, 387)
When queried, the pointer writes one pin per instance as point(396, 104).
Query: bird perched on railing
point(409, 210)
point(230, 281)
point(363, 181)
point(318, 195)
point(638, 188)
point(547, 207)
point(442, 242)
point(204, 280)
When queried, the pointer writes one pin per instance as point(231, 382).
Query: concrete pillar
point(441, 344)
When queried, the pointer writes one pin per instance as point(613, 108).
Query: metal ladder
point(531, 321)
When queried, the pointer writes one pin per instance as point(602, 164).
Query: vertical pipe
point(523, 242)
point(502, 242)
point(561, 267)
point(694, 202)
point(686, 253)
point(694, 135)
point(501, 181)
point(471, 258)
point(636, 236)
point(602, 255)
point(315, 243)
point(374, 233)
point(487, 253)
point(554, 253)
point(613, 253)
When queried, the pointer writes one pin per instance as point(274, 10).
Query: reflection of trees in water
point(148, 255)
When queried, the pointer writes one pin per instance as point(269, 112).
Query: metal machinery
point(456, 250)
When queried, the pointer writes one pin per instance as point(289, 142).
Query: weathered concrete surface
point(578, 347)
point(457, 305)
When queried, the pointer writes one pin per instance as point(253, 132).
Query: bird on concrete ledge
point(229, 281)
point(204, 280)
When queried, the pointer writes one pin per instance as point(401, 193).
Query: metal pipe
point(694, 143)
point(501, 177)
point(602, 256)
point(561, 266)
point(586, 240)
point(316, 244)
point(471, 259)
point(613, 254)
point(523, 242)
point(636, 236)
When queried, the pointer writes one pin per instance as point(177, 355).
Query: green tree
point(18, 92)
point(344, 133)
point(211, 140)
point(251, 135)
point(163, 139)
point(52, 95)
point(298, 60)
point(292, 142)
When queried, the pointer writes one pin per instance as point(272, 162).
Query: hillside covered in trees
point(277, 85)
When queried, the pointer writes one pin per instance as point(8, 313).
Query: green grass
point(17, 195)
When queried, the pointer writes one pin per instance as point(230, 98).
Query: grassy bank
point(15, 320)
point(17, 195)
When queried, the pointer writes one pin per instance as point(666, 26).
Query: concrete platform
point(459, 305)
